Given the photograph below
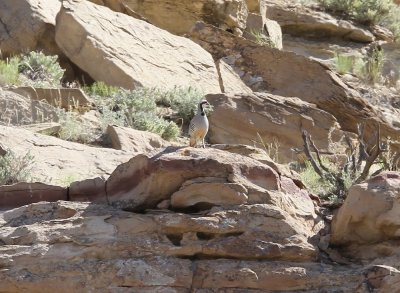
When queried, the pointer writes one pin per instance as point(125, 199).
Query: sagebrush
point(9, 74)
point(367, 12)
point(15, 168)
point(41, 69)
point(140, 108)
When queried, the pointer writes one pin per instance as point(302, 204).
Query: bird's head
point(204, 103)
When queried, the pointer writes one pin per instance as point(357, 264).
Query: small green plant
point(136, 109)
point(9, 74)
point(261, 39)
point(344, 63)
point(272, 148)
point(100, 89)
point(41, 70)
point(74, 130)
point(372, 67)
point(369, 68)
point(68, 179)
point(151, 122)
point(14, 168)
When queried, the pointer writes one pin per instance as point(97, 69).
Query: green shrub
point(9, 74)
point(100, 89)
point(74, 130)
point(139, 109)
point(151, 122)
point(363, 11)
point(344, 63)
point(368, 12)
point(14, 168)
point(262, 39)
point(323, 186)
point(41, 70)
point(136, 109)
point(183, 100)
point(370, 67)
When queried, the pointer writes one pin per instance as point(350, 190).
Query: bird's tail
point(192, 142)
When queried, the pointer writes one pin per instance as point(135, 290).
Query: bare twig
point(375, 152)
point(306, 139)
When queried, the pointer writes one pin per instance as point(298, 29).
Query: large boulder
point(370, 213)
point(268, 120)
point(28, 25)
point(178, 17)
point(290, 75)
point(127, 52)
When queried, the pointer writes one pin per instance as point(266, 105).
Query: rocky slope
point(140, 214)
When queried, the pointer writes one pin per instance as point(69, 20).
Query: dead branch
point(376, 150)
point(306, 139)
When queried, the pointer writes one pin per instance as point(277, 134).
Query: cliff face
point(142, 214)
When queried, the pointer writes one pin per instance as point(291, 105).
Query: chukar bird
point(198, 127)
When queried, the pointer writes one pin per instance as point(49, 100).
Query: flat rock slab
point(58, 161)
point(66, 98)
point(12, 196)
point(48, 128)
point(123, 51)
point(16, 109)
point(128, 139)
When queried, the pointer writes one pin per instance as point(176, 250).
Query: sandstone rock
point(274, 32)
point(302, 21)
point(209, 191)
point(20, 194)
point(178, 17)
point(383, 278)
point(123, 51)
point(19, 110)
point(104, 249)
point(370, 213)
point(231, 82)
point(270, 28)
point(66, 98)
point(93, 190)
point(144, 182)
point(119, 6)
point(290, 75)
point(253, 5)
point(262, 119)
point(256, 247)
point(57, 160)
point(28, 25)
point(153, 179)
point(128, 139)
point(49, 128)
point(275, 276)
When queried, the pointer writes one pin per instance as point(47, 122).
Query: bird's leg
point(204, 146)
